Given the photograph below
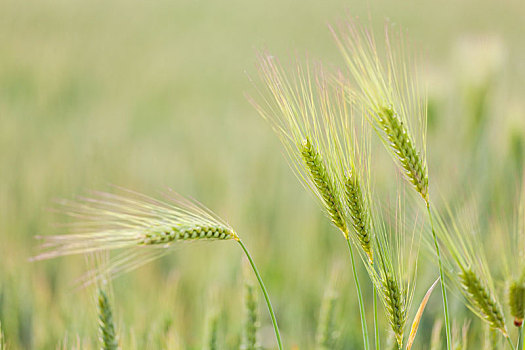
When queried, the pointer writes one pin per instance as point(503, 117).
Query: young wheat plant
point(144, 229)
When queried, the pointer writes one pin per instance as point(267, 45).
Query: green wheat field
point(275, 116)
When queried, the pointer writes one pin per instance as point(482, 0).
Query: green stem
point(376, 325)
point(359, 297)
point(521, 343)
point(509, 342)
point(442, 280)
point(266, 297)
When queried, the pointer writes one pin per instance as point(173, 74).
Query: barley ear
point(481, 297)
point(357, 207)
point(517, 301)
point(108, 336)
point(251, 322)
point(395, 306)
point(324, 184)
point(404, 149)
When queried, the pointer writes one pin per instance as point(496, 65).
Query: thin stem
point(266, 297)
point(376, 325)
point(521, 343)
point(509, 342)
point(442, 280)
point(359, 297)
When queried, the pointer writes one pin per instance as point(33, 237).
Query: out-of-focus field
point(151, 95)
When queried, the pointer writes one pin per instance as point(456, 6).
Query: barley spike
point(108, 336)
point(324, 184)
point(404, 149)
point(359, 214)
point(483, 300)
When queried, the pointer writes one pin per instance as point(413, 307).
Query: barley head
point(324, 185)
point(141, 227)
point(517, 300)
point(251, 322)
point(396, 308)
point(108, 337)
point(358, 211)
point(387, 89)
point(483, 299)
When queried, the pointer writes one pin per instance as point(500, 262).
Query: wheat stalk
point(395, 304)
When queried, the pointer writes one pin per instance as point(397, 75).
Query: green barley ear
point(397, 313)
point(387, 89)
point(251, 322)
point(483, 299)
point(324, 184)
point(358, 209)
point(108, 337)
point(516, 299)
point(407, 155)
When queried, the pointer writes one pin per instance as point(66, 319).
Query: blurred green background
point(150, 95)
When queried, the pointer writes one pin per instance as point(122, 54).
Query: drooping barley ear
point(482, 298)
point(357, 207)
point(212, 330)
point(395, 304)
point(324, 184)
point(326, 337)
point(404, 149)
point(194, 232)
point(108, 337)
point(517, 301)
point(251, 322)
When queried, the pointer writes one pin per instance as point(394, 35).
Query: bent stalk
point(265, 293)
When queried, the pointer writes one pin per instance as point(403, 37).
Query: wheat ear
point(324, 184)
point(482, 298)
point(108, 337)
